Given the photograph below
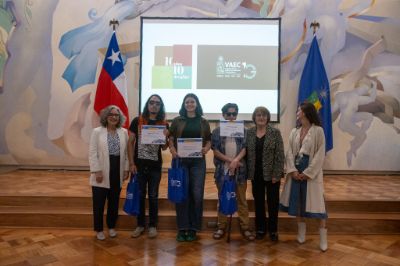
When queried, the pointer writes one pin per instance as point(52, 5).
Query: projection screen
point(219, 60)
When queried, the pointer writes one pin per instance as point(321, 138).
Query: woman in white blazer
point(109, 166)
point(303, 193)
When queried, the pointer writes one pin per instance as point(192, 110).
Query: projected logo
point(238, 67)
point(234, 69)
point(172, 67)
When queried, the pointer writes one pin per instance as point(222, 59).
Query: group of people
point(258, 156)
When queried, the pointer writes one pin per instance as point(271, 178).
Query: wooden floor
point(76, 184)
point(79, 247)
point(358, 205)
point(48, 198)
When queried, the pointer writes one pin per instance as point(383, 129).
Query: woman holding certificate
point(303, 193)
point(148, 137)
point(190, 140)
point(265, 160)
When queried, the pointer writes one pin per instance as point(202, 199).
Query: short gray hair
point(106, 111)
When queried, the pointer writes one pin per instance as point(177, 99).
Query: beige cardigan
point(315, 202)
point(99, 156)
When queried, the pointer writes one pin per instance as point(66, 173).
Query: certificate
point(190, 147)
point(152, 134)
point(232, 128)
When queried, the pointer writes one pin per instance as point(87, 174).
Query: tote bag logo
point(129, 196)
point(230, 195)
point(175, 183)
point(172, 67)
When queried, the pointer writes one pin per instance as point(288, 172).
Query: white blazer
point(99, 155)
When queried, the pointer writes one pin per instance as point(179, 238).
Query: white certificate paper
point(190, 147)
point(233, 129)
point(153, 134)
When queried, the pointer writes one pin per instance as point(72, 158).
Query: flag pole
point(114, 22)
point(314, 25)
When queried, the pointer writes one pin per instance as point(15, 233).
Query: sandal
point(218, 234)
point(248, 235)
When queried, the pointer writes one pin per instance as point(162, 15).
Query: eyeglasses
point(231, 114)
point(113, 115)
point(151, 102)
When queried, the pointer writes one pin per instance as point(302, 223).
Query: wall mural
point(51, 53)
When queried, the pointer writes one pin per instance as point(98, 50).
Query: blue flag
point(314, 88)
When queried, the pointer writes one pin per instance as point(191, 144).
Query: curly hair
point(106, 111)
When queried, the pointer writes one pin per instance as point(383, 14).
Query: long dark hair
point(161, 113)
point(199, 109)
point(311, 113)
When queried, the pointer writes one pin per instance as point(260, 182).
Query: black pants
point(100, 195)
point(260, 186)
point(149, 182)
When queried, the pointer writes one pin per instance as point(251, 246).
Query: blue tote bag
point(227, 198)
point(132, 201)
point(177, 182)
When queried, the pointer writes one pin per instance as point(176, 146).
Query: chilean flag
point(111, 88)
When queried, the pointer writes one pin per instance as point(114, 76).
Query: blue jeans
point(189, 213)
point(149, 181)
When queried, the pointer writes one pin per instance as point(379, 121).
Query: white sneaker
point(100, 236)
point(112, 232)
point(152, 232)
point(137, 232)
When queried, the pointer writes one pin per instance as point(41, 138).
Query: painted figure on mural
point(26, 89)
point(354, 92)
point(7, 25)
point(81, 45)
point(44, 119)
point(351, 120)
